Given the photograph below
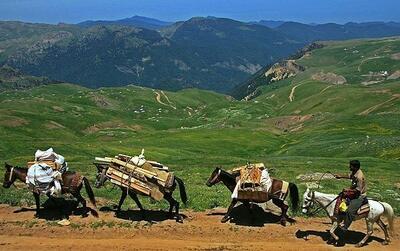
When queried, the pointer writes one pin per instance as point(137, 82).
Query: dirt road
point(200, 231)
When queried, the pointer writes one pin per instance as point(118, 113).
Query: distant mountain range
point(208, 53)
point(136, 21)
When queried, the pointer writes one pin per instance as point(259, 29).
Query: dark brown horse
point(101, 179)
point(72, 183)
point(229, 180)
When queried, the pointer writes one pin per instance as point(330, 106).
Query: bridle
point(215, 180)
point(11, 174)
point(10, 177)
point(310, 202)
point(320, 207)
point(101, 178)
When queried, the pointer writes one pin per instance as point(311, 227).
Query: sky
point(306, 11)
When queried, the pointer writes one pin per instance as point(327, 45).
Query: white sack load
point(49, 154)
point(42, 178)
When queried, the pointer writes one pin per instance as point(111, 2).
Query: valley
point(299, 125)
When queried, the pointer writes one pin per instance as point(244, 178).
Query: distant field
point(193, 131)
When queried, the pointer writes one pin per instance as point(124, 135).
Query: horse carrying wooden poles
point(135, 175)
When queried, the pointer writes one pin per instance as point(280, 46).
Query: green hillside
point(318, 128)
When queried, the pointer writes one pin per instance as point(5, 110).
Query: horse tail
point(89, 191)
point(294, 196)
point(182, 190)
point(389, 214)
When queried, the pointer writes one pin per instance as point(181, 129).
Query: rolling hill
point(310, 123)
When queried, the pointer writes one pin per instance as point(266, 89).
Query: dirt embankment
point(200, 231)
point(283, 70)
point(330, 78)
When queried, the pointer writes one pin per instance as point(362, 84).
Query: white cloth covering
point(138, 160)
point(40, 175)
point(49, 154)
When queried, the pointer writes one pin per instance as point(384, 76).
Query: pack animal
point(72, 183)
point(167, 195)
point(274, 193)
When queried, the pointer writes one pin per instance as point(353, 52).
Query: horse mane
point(228, 174)
point(326, 194)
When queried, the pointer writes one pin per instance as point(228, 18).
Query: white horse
point(328, 201)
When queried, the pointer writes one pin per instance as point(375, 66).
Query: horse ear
point(7, 166)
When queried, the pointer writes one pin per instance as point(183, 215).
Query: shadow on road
point(350, 237)
point(57, 209)
point(137, 215)
point(255, 216)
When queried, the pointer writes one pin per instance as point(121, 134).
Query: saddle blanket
point(341, 207)
point(364, 209)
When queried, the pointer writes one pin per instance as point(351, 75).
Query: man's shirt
point(358, 182)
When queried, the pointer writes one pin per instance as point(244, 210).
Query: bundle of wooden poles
point(146, 177)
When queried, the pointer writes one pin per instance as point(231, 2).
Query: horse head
point(214, 178)
point(308, 201)
point(101, 176)
point(9, 176)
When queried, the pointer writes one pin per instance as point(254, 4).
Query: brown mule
point(72, 184)
point(278, 198)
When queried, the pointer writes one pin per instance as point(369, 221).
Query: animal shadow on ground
point(350, 237)
point(136, 215)
point(255, 216)
point(57, 209)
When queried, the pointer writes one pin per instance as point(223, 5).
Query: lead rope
point(319, 181)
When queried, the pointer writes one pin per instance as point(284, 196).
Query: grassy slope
point(207, 129)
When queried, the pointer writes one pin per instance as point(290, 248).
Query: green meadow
point(192, 131)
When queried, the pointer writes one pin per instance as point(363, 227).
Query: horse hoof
point(331, 242)
point(358, 245)
point(339, 244)
point(385, 243)
point(225, 219)
point(283, 223)
point(179, 220)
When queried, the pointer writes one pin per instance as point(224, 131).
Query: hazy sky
point(318, 11)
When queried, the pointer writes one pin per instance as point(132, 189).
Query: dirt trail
point(158, 98)
point(200, 231)
point(365, 60)
point(373, 108)
point(291, 96)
